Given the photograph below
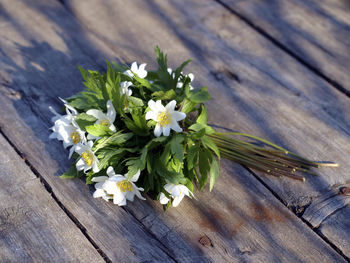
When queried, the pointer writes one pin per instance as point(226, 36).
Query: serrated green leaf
point(116, 139)
point(167, 95)
point(200, 96)
point(84, 120)
point(135, 102)
point(176, 147)
point(134, 165)
point(198, 127)
point(98, 130)
point(214, 173)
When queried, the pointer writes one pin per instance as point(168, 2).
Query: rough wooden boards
point(23, 77)
point(318, 32)
point(259, 87)
point(36, 54)
point(33, 228)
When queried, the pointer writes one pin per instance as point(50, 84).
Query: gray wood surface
point(317, 32)
point(265, 91)
point(240, 220)
point(33, 228)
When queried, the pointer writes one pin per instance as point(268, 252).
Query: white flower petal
point(152, 105)
point(111, 113)
point(80, 164)
point(134, 67)
point(178, 116)
point(98, 179)
point(163, 199)
point(177, 200)
point(118, 197)
point(170, 107)
point(166, 130)
point(136, 176)
point(99, 193)
point(159, 106)
point(138, 194)
point(99, 115)
point(157, 130)
point(110, 171)
point(95, 168)
point(175, 126)
point(151, 115)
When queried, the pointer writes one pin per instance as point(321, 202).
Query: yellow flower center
point(88, 157)
point(75, 136)
point(104, 122)
point(124, 185)
point(163, 119)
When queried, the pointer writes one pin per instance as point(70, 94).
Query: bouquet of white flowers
point(133, 131)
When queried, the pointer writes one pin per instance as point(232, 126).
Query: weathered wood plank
point(38, 54)
point(264, 90)
point(245, 224)
point(33, 228)
point(318, 32)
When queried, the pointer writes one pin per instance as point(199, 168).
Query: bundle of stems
point(275, 160)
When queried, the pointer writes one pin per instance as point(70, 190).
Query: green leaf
point(135, 102)
point(115, 139)
point(71, 173)
point(161, 95)
point(176, 147)
point(200, 96)
point(134, 165)
point(205, 158)
point(188, 106)
point(198, 127)
point(192, 156)
point(210, 144)
point(203, 116)
point(84, 120)
point(98, 130)
point(214, 173)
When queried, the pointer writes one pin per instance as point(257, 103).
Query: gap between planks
point(292, 54)
point(59, 203)
point(281, 46)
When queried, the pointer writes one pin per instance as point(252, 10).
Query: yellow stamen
point(88, 157)
point(163, 119)
point(75, 136)
point(124, 185)
point(104, 122)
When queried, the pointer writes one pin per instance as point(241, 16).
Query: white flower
point(104, 119)
point(121, 187)
point(66, 129)
point(124, 88)
point(166, 117)
point(88, 159)
point(179, 83)
point(177, 192)
point(139, 71)
point(100, 180)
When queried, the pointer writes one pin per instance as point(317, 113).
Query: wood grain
point(241, 221)
point(264, 90)
point(33, 228)
point(41, 59)
point(317, 32)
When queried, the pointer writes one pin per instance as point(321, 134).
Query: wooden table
point(276, 69)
